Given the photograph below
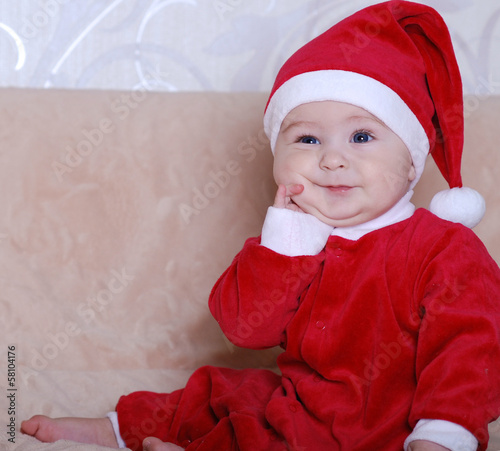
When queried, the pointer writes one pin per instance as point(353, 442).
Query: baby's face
point(353, 168)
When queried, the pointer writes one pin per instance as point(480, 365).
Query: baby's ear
point(412, 173)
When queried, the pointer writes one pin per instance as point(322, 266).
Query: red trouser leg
point(218, 407)
point(145, 414)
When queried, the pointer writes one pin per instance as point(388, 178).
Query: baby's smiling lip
point(338, 188)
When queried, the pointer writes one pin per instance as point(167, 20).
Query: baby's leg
point(98, 431)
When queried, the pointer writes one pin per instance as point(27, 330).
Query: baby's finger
point(293, 190)
point(284, 195)
point(154, 444)
point(280, 199)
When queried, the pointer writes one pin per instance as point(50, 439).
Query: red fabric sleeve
point(458, 348)
point(258, 294)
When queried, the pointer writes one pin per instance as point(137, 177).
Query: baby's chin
point(334, 221)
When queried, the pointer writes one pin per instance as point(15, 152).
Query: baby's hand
point(424, 445)
point(284, 196)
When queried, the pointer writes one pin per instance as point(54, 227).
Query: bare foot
point(97, 431)
point(154, 444)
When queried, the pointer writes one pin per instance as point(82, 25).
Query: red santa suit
point(380, 331)
point(390, 329)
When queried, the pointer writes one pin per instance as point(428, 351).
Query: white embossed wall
point(192, 45)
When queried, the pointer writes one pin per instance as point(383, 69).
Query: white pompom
point(463, 205)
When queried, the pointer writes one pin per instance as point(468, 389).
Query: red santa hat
point(396, 61)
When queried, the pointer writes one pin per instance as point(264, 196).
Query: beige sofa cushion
point(119, 212)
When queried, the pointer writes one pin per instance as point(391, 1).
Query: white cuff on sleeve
point(293, 233)
point(444, 433)
point(113, 417)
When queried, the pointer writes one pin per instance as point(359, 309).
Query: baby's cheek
point(287, 176)
point(305, 199)
point(290, 169)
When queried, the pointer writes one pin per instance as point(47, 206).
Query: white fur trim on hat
point(463, 205)
point(355, 89)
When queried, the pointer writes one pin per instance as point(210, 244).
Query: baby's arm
point(288, 230)
point(424, 445)
point(444, 434)
point(258, 294)
point(458, 355)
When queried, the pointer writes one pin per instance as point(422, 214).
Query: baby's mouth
point(339, 188)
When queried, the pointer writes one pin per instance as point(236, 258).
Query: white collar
point(404, 209)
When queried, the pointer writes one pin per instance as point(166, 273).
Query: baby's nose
point(333, 158)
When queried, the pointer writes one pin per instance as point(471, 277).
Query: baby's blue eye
point(308, 140)
point(361, 137)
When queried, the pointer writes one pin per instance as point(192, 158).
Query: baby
point(388, 316)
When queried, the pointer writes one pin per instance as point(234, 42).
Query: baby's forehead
point(314, 113)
